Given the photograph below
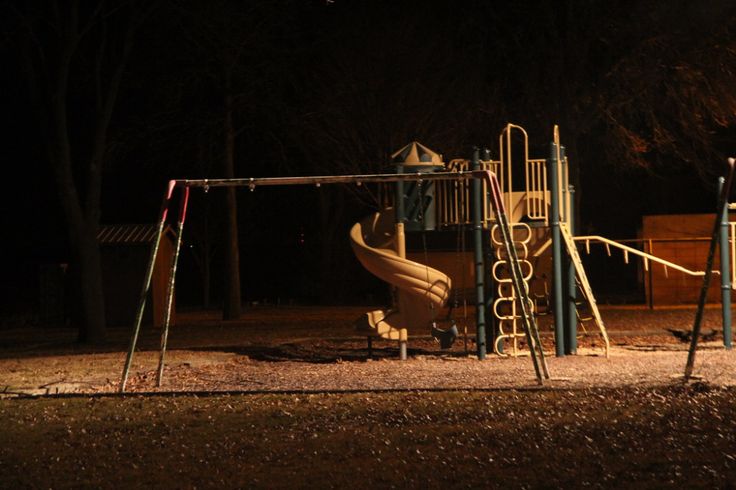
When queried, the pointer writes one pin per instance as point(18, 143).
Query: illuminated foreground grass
point(669, 436)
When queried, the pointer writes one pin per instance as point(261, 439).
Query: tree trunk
point(232, 299)
point(49, 67)
point(91, 304)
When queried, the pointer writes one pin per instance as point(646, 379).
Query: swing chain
point(422, 221)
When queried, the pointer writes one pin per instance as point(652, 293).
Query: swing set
point(185, 186)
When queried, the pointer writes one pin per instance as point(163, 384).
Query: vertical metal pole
point(722, 203)
point(400, 247)
point(399, 205)
point(565, 197)
point(725, 270)
point(480, 314)
point(172, 283)
point(571, 332)
point(489, 284)
point(146, 285)
point(557, 291)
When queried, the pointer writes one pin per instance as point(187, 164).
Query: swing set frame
point(185, 185)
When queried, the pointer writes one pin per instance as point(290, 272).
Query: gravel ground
point(313, 349)
point(288, 398)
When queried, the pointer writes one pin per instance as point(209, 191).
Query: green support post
point(725, 270)
point(557, 290)
point(722, 205)
point(571, 332)
point(480, 313)
point(490, 291)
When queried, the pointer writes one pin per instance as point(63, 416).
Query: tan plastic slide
point(422, 289)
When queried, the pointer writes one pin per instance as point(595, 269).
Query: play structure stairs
point(583, 282)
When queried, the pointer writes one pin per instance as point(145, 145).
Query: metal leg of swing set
point(146, 286)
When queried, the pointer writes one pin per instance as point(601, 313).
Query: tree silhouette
point(74, 56)
point(235, 48)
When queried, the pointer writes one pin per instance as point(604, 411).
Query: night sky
point(642, 92)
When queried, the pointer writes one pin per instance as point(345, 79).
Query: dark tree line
point(183, 88)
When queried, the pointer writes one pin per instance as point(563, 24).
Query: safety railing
point(537, 195)
point(454, 197)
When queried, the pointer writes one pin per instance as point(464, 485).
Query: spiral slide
point(422, 289)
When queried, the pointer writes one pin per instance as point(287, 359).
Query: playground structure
point(512, 226)
point(538, 212)
point(541, 221)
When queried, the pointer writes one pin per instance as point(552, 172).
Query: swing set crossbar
point(359, 179)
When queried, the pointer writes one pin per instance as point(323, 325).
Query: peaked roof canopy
point(416, 153)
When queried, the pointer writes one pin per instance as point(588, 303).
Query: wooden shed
point(683, 239)
point(125, 251)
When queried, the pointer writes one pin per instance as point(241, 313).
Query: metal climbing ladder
point(505, 305)
point(517, 277)
point(583, 281)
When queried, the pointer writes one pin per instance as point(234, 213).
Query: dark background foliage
point(642, 91)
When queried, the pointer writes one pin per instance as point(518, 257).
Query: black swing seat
point(445, 337)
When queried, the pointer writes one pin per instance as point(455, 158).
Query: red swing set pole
point(172, 282)
point(147, 283)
